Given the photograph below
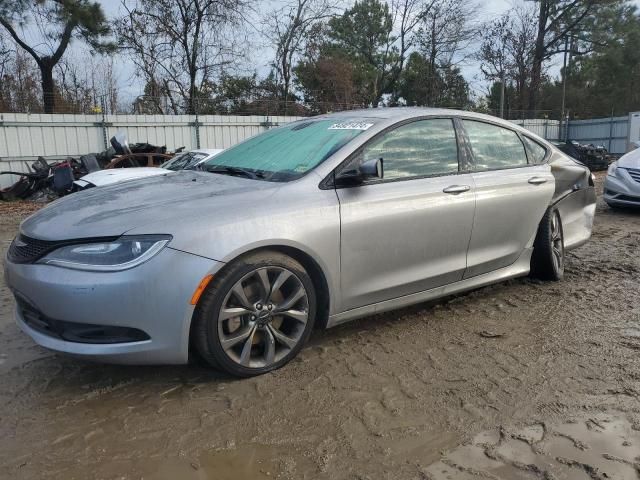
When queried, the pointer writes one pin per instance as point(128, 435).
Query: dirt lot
point(515, 381)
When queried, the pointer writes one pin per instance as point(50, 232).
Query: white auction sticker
point(351, 126)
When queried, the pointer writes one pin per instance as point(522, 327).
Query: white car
point(622, 185)
point(183, 161)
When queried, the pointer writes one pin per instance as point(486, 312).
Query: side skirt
point(519, 268)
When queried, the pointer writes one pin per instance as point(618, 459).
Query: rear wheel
point(547, 261)
point(256, 316)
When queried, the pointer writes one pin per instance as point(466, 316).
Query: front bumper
point(622, 189)
point(153, 298)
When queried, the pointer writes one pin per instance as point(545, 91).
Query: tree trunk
point(538, 57)
point(48, 87)
point(191, 107)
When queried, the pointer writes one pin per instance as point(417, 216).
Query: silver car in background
point(318, 222)
point(622, 184)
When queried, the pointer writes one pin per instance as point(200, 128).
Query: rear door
point(512, 195)
point(410, 231)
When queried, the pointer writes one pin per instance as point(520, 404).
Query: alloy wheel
point(263, 317)
point(557, 244)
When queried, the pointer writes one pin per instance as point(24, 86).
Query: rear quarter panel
point(575, 199)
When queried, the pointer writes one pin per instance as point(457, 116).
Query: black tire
point(205, 333)
point(547, 260)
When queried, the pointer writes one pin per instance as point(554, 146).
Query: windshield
point(286, 153)
point(183, 161)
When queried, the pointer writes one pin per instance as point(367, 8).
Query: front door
point(410, 231)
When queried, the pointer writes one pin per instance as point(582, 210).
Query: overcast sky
point(130, 87)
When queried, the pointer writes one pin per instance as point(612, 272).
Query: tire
point(547, 260)
point(264, 330)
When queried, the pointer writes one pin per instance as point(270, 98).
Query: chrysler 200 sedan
point(311, 224)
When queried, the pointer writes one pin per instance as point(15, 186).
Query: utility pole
point(564, 77)
point(502, 95)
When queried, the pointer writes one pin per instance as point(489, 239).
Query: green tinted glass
point(289, 152)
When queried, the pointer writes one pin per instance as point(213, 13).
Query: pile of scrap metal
point(48, 181)
point(596, 157)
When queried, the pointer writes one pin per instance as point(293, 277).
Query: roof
point(392, 114)
point(406, 112)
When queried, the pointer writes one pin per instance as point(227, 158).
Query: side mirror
point(371, 169)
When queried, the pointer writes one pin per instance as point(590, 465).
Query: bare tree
point(86, 84)
point(555, 20)
point(506, 52)
point(183, 44)
point(58, 22)
point(288, 28)
point(446, 32)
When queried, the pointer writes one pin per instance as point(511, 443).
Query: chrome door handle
point(537, 180)
point(457, 189)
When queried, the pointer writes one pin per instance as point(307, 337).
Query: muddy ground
point(520, 380)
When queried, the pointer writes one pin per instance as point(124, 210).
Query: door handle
point(457, 189)
point(537, 180)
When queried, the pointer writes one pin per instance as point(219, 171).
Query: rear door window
point(494, 147)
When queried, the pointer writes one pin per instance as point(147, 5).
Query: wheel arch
point(310, 264)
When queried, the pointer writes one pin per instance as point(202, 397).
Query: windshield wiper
point(234, 171)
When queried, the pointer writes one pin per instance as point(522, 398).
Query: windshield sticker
point(351, 126)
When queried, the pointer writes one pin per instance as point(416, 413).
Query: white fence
point(24, 137)
point(549, 129)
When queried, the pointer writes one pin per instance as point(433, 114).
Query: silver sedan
point(622, 184)
point(315, 223)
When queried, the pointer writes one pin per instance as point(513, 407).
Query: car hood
point(115, 209)
point(630, 160)
point(115, 175)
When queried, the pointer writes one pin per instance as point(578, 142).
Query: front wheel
point(256, 316)
point(547, 261)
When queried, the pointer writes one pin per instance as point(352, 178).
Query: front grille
point(25, 249)
point(77, 332)
point(634, 173)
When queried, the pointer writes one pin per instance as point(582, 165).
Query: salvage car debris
point(595, 157)
point(48, 181)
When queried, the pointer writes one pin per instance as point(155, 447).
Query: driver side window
point(421, 148)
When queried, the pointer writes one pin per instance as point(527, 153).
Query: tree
point(363, 34)
point(183, 44)
point(326, 78)
point(60, 21)
point(505, 54)
point(606, 80)
point(447, 88)
point(557, 19)
point(288, 28)
point(446, 30)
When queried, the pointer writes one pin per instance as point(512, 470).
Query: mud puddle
point(247, 462)
point(594, 447)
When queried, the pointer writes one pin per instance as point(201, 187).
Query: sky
point(130, 86)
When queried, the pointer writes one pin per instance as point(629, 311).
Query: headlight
point(121, 254)
point(612, 169)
